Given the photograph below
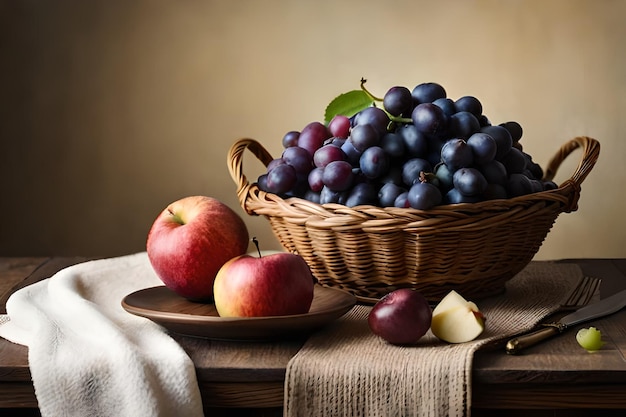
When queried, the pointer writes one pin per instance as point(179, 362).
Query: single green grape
point(590, 339)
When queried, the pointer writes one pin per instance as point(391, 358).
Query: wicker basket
point(370, 251)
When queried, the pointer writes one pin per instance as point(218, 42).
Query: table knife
point(598, 309)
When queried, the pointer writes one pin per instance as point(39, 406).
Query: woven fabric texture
point(345, 370)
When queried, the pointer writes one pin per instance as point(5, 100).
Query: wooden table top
point(555, 374)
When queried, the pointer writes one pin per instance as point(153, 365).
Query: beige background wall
point(111, 109)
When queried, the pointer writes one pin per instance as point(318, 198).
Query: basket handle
point(590, 148)
point(591, 151)
point(235, 164)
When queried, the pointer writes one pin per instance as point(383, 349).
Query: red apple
point(401, 317)
point(191, 240)
point(278, 284)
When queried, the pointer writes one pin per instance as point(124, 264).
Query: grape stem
point(426, 176)
point(398, 119)
point(373, 97)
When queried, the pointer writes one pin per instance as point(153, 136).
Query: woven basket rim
point(257, 202)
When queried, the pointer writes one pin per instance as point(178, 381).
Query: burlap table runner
point(345, 370)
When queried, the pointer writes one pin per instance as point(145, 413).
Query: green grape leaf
point(347, 104)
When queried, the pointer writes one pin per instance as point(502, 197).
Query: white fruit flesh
point(451, 300)
point(456, 320)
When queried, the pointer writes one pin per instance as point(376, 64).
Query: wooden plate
point(182, 316)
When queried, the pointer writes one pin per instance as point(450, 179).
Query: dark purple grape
point(358, 176)
point(291, 139)
point(469, 181)
point(388, 193)
point(483, 121)
point(515, 129)
point(534, 168)
point(424, 196)
point(329, 196)
point(339, 126)
point(299, 158)
point(444, 175)
point(402, 201)
point(315, 179)
point(434, 150)
point(494, 172)
point(398, 101)
point(463, 124)
point(393, 144)
point(338, 176)
point(536, 186)
point(281, 179)
point(327, 154)
point(394, 175)
point(434, 158)
point(312, 137)
point(363, 136)
point(352, 154)
point(469, 104)
point(502, 138)
point(312, 196)
point(456, 154)
point(374, 116)
point(415, 142)
point(374, 162)
point(428, 118)
point(454, 196)
point(518, 185)
point(299, 188)
point(338, 142)
point(274, 162)
point(483, 147)
point(514, 161)
point(427, 92)
point(362, 194)
point(262, 182)
point(549, 185)
point(494, 192)
point(446, 104)
point(412, 169)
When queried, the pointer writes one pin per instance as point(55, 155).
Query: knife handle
point(515, 345)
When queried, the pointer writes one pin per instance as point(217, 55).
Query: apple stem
point(256, 243)
point(176, 217)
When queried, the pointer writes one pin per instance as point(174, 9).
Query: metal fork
point(585, 291)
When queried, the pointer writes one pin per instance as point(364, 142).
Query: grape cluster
point(419, 149)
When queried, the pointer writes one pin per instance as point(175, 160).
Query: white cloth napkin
point(88, 356)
